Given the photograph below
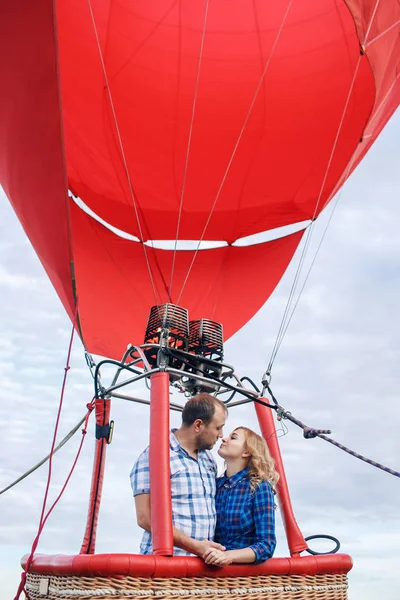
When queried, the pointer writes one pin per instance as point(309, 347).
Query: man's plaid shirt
point(193, 487)
point(246, 517)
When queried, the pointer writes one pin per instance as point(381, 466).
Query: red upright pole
point(160, 483)
point(295, 539)
point(102, 421)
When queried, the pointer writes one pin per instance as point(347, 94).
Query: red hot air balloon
point(203, 121)
point(147, 148)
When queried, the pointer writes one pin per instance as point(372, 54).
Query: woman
point(245, 501)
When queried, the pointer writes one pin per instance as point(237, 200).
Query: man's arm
point(142, 503)
point(181, 540)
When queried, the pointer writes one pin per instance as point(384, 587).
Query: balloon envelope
point(196, 120)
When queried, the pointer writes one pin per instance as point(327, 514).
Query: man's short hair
point(202, 406)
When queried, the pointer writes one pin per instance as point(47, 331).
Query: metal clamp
point(105, 431)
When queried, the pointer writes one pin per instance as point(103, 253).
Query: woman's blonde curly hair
point(261, 465)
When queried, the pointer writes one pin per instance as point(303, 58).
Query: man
point(193, 473)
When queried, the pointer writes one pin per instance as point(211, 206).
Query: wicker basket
point(271, 587)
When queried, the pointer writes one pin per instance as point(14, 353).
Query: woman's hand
point(205, 546)
point(218, 558)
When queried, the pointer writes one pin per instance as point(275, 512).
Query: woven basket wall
point(271, 587)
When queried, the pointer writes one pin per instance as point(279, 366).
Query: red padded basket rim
point(138, 565)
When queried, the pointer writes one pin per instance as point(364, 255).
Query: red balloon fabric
point(115, 291)
point(278, 94)
point(197, 120)
point(32, 165)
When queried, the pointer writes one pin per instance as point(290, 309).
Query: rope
point(46, 458)
point(123, 153)
point(289, 319)
point(359, 456)
point(310, 432)
point(370, 23)
point(236, 146)
point(285, 321)
point(90, 407)
point(188, 148)
point(378, 37)
point(21, 587)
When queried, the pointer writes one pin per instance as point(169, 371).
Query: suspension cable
point(289, 318)
point(310, 229)
point(46, 458)
point(285, 319)
point(370, 23)
point(21, 587)
point(188, 148)
point(260, 83)
point(133, 198)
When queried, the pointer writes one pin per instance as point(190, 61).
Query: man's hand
point(206, 545)
point(217, 557)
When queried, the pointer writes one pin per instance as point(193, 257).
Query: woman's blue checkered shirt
point(245, 517)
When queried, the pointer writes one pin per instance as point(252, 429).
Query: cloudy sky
point(338, 368)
